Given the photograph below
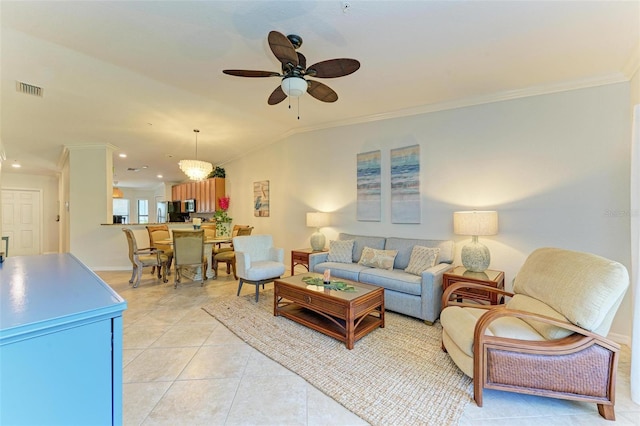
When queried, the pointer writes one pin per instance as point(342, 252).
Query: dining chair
point(237, 230)
point(209, 230)
point(188, 250)
point(229, 256)
point(159, 233)
point(141, 257)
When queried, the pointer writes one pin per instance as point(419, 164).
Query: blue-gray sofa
point(414, 295)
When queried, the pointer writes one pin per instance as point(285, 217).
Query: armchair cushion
point(460, 325)
point(520, 302)
point(597, 285)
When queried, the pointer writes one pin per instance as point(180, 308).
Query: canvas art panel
point(405, 184)
point(369, 201)
point(261, 198)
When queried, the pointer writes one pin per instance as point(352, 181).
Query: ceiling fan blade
point(302, 61)
point(277, 96)
point(282, 48)
point(321, 91)
point(251, 73)
point(333, 68)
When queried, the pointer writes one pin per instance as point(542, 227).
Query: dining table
point(195, 272)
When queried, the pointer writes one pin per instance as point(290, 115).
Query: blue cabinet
point(60, 343)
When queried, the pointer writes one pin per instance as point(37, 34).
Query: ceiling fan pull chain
point(298, 108)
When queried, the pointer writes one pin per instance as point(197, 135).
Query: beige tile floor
point(182, 367)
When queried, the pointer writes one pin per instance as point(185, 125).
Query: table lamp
point(317, 220)
point(475, 256)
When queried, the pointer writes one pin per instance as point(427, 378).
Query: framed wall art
point(405, 184)
point(261, 198)
point(369, 199)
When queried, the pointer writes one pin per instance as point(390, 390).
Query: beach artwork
point(261, 198)
point(405, 185)
point(369, 202)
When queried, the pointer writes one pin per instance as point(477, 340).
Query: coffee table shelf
point(346, 316)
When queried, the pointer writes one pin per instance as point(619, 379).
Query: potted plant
point(223, 221)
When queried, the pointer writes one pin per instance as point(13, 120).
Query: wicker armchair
point(549, 338)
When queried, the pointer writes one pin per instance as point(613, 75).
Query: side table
point(490, 278)
point(301, 257)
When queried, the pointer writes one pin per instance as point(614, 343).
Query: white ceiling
point(142, 75)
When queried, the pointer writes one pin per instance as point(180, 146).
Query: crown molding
point(507, 95)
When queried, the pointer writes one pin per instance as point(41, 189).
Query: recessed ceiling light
point(122, 155)
point(16, 165)
point(159, 176)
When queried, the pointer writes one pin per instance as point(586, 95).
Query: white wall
point(556, 167)
point(50, 206)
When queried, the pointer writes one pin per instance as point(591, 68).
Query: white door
point(21, 219)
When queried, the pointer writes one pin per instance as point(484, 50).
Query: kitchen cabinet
point(60, 343)
point(206, 193)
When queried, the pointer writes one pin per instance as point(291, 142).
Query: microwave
point(189, 206)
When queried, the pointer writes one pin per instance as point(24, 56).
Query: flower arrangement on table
point(221, 214)
point(223, 221)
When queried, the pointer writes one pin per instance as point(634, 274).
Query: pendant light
point(196, 169)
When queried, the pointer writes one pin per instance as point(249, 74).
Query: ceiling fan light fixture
point(294, 86)
point(196, 169)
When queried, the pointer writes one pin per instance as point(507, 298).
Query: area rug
point(394, 375)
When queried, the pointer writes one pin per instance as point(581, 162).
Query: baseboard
point(111, 268)
point(620, 338)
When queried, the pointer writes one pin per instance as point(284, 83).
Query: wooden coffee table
point(346, 316)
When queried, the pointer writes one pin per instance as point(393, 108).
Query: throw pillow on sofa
point(381, 259)
point(422, 258)
point(340, 251)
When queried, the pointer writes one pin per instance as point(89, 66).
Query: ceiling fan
point(294, 71)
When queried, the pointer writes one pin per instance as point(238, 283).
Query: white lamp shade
point(317, 219)
point(294, 86)
point(475, 223)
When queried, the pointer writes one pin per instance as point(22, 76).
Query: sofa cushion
point(360, 242)
point(405, 247)
point(392, 280)
point(422, 258)
point(340, 251)
point(349, 271)
point(382, 259)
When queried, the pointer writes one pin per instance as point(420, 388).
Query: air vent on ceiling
point(28, 89)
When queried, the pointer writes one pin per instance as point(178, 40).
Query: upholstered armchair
point(141, 257)
point(549, 339)
point(257, 261)
point(227, 255)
